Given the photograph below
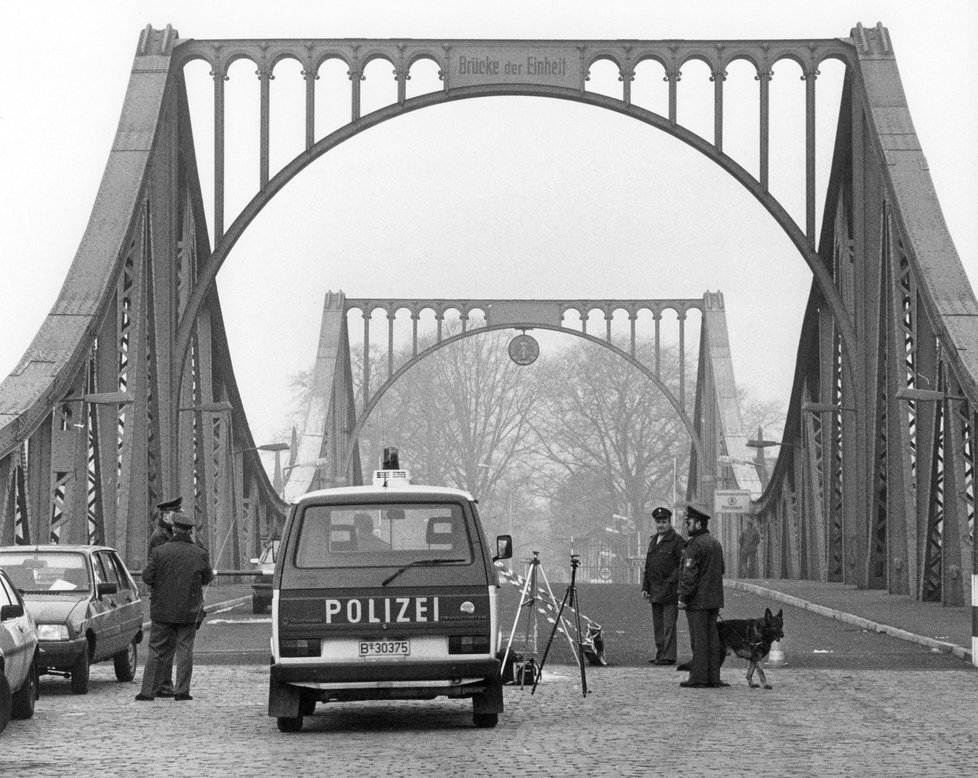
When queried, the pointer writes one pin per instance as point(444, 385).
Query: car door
point(129, 608)
point(105, 619)
point(16, 637)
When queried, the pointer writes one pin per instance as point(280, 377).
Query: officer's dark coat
point(701, 579)
point(176, 573)
point(662, 562)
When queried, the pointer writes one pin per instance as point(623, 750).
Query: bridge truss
point(127, 393)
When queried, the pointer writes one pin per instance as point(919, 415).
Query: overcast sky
point(500, 197)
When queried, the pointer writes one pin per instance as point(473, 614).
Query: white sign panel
point(731, 501)
point(553, 65)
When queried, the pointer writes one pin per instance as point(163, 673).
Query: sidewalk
point(927, 623)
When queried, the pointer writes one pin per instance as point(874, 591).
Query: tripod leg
point(516, 621)
point(580, 643)
point(554, 606)
point(550, 640)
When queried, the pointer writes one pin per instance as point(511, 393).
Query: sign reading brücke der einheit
point(553, 66)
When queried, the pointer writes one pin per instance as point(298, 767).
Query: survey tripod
point(534, 601)
point(570, 599)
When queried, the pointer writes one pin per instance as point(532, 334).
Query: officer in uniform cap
point(660, 584)
point(701, 594)
point(176, 572)
point(162, 532)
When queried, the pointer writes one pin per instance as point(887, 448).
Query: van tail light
point(468, 644)
point(293, 648)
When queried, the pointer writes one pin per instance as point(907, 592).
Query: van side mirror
point(504, 547)
point(107, 588)
point(14, 611)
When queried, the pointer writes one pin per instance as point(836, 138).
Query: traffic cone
point(776, 657)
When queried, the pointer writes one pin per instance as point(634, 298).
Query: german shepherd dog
point(751, 639)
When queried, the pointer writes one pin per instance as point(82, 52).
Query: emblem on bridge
point(524, 350)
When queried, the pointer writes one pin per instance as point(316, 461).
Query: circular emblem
point(604, 574)
point(467, 607)
point(524, 350)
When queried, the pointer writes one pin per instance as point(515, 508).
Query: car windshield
point(46, 571)
point(381, 535)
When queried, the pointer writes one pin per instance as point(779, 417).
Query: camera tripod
point(527, 669)
point(570, 599)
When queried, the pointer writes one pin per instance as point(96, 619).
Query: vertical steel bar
point(366, 357)
point(310, 77)
point(219, 78)
point(764, 129)
point(810, 77)
point(264, 80)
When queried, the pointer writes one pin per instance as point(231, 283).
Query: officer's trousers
point(705, 642)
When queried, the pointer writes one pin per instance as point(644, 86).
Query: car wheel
point(22, 703)
point(79, 674)
point(290, 723)
point(125, 663)
point(5, 702)
point(485, 720)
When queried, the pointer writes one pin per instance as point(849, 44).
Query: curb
point(938, 645)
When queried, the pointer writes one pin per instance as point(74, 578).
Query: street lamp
point(811, 407)
point(925, 395)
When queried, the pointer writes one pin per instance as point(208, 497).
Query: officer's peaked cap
point(692, 513)
point(181, 519)
point(170, 505)
point(661, 513)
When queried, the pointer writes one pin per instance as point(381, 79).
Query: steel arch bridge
point(127, 393)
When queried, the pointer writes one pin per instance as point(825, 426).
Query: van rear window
point(373, 535)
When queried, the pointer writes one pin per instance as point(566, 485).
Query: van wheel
point(290, 723)
point(5, 701)
point(22, 703)
point(485, 720)
point(125, 663)
point(79, 674)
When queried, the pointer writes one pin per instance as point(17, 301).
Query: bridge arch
point(224, 243)
point(378, 395)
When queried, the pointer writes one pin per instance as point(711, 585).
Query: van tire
point(485, 720)
point(290, 723)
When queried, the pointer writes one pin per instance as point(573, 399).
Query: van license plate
point(383, 648)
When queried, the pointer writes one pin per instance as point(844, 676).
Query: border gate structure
point(327, 451)
point(127, 394)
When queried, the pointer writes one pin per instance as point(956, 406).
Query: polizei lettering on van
point(383, 610)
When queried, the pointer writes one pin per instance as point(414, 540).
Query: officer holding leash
point(701, 595)
point(660, 585)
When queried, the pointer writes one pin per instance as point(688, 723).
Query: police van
point(385, 592)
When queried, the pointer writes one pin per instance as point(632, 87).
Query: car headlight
point(52, 631)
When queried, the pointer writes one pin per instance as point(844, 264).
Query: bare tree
point(608, 427)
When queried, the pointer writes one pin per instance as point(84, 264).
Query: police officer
point(177, 571)
point(701, 595)
point(161, 534)
point(660, 585)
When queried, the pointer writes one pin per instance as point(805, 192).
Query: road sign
point(731, 501)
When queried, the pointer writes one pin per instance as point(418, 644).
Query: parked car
point(261, 587)
point(18, 655)
point(86, 606)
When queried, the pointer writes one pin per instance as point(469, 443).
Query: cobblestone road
point(815, 722)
